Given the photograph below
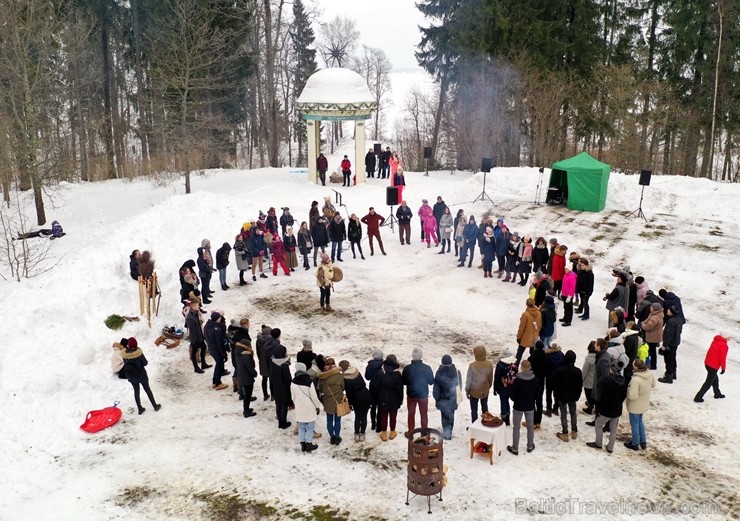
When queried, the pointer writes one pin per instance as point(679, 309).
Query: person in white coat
point(307, 406)
point(638, 402)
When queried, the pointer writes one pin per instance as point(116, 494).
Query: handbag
point(343, 406)
point(448, 229)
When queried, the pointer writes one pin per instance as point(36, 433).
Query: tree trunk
point(142, 105)
point(443, 86)
point(271, 98)
point(108, 134)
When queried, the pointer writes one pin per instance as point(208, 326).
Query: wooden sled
point(167, 342)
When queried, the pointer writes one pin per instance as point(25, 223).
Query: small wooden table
point(493, 437)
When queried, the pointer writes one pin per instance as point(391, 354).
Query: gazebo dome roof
point(336, 86)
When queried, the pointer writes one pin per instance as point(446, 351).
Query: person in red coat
point(558, 267)
point(278, 256)
point(346, 171)
point(716, 360)
point(373, 221)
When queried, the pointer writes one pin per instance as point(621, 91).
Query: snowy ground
point(198, 458)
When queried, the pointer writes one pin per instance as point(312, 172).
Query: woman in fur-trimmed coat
point(134, 363)
point(331, 385)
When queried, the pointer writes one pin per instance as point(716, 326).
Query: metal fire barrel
point(425, 468)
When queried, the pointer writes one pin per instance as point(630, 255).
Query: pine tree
point(302, 38)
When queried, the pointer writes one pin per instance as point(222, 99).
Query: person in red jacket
point(373, 221)
point(716, 360)
point(558, 268)
point(278, 256)
point(346, 171)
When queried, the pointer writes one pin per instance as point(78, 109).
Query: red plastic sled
point(99, 420)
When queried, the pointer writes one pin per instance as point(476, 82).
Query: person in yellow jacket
point(325, 281)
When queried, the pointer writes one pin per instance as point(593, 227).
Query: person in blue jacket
point(446, 383)
point(502, 246)
point(470, 235)
point(417, 377)
point(257, 245)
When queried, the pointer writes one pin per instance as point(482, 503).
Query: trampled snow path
point(198, 455)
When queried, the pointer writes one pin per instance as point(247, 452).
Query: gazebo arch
point(335, 94)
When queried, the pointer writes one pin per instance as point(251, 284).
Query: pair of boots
point(225, 287)
point(242, 282)
point(487, 274)
point(308, 447)
point(156, 408)
point(385, 436)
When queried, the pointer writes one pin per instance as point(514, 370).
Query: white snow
point(163, 465)
point(335, 85)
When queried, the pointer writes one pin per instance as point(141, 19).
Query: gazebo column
point(360, 150)
point(313, 134)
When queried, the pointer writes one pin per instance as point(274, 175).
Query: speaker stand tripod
point(483, 195)
point(391, 220)
point(639, 213)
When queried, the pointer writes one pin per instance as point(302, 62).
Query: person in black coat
point(447, 379)
point(358, 396)
point(390, 396)
point(286, 220)
point(439, 210)
point(404, 215)
point(239, 336)
point(280, 380)
point(370, 163)
point(612, 392)
point(188, 280)
point(672, 329)
point(567, 384)
point(337, 234)
point(320, 237)
point(134, 364)
point(263, 343)
point(540, 255)
point(246, 373)
point(305, 244)
point(133, 264)
point(372, 375)
point(601, 370)
point(306, 356)
point(540, 366)
point(671, 299)
point(354, 234)
point(217, 346)
point(524, 392)
point(584, 287)
point(197, 340)
point(222, 261)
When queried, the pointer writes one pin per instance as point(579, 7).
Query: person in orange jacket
point(716, 360)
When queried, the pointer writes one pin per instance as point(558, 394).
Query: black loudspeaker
point(427, 152)
point(486, 164)
point(391, 195)
point(377, 149)
point(645, 177)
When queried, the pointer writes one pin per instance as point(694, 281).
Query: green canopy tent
point(581, 181)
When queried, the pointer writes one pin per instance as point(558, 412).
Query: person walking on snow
point(716, 360)
point(322, 165)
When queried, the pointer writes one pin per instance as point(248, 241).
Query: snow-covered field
point(198, 458)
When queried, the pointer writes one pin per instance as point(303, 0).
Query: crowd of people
point(617, 369)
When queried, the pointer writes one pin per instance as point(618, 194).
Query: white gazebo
point(335, 94)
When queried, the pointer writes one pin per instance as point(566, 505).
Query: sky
point(390, 25)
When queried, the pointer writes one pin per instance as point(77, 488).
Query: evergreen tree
point(302, 38)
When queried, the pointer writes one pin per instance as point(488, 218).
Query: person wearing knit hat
point(715, 362)
point(672, 329)
point(306, 354)
point(372, 375)
point(215, 336)
point(134, 366)
point(447, 382)
point(307, 406)
point(325, 282)
point(652, 328)
point(358, 396)
point(240, 338)
point(417, 377)
point(264, 339)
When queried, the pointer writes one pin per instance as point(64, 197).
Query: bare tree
point(191, 66)
point(337, 41)
point(373, 65)
point(22, 255)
